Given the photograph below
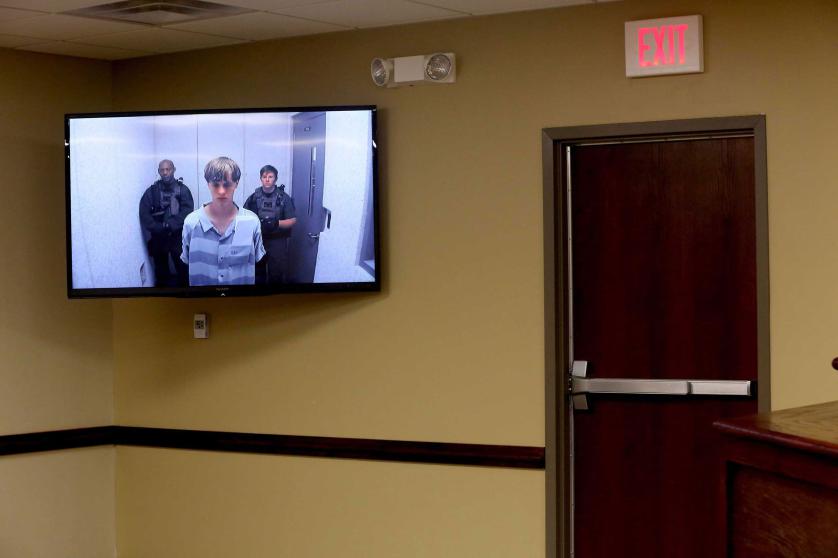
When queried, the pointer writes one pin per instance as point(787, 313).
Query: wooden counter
point(781, 483)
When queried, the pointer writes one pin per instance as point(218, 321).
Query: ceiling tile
point(12, 41)
point(258, 26)
point(484, 7)
point(10, 14)
point(84, 51)
point(60, 27)
point(369, 13)
point(268, 5)
point(159, 40)
point(52, 6)
point(24, 22)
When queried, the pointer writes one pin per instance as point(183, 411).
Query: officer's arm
point(289, 214)
point(147, 221)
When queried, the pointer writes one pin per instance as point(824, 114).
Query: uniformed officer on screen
point(163, 207)
point(276, 212)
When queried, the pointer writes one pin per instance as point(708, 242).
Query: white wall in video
point(307, 177)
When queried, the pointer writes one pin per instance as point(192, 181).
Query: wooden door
point(663, 287)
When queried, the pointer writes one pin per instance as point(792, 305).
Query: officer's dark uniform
point(270, 208)
point(162, 211)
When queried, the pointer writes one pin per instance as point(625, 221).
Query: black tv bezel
point(225, 290)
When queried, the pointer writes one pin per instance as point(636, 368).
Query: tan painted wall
point(452, 349)
point(219, 505)
point(56, 355)
point(58, 504)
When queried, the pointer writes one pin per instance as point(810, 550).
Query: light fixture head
point(407, 71)
point(381, 71)
point(439, 67)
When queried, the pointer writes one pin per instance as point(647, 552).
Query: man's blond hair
point(220, 168)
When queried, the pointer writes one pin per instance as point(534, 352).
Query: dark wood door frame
point(554, 142)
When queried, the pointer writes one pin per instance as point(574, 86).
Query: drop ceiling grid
point(38, 25)
point(158, 40)
point(258, 26)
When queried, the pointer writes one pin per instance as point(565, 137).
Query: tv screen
point(223, 202)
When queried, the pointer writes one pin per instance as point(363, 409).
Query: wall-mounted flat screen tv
point(222, 202)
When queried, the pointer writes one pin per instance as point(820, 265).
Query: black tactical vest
point(270, 206)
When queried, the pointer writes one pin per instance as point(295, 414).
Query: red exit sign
point(670, 45)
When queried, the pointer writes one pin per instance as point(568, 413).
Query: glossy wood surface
point(776, 516)
point(812, 428)
point(781, 483)
point(664, 287)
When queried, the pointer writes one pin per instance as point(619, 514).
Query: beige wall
point(56, 355)
point(57, 368)
point(221, 505)
point(452, 349)
point(58, 504)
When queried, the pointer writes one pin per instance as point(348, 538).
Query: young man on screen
point(163, 207)
point(276, 211)
point(222, 243)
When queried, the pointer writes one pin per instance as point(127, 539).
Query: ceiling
point(176, 25)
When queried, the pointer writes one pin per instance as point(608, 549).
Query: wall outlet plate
point(200, 326)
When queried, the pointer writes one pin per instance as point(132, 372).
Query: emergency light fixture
point(438, 67)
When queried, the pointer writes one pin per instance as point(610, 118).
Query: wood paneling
point(773, 515)
point(781, 483)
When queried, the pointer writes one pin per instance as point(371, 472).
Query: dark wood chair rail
point(522, 457)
